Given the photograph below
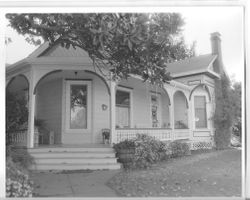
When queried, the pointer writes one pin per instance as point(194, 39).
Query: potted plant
point(125, 151)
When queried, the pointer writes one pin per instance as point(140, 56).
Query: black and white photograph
point(125, 103)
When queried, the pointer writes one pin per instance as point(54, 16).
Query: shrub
point(148, 151)
point(126, 144)
point(179, 148)
point(20, 156)
point(17, 180)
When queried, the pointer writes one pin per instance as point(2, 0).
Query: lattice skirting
point(202, 145)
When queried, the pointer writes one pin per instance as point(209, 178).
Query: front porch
point(125, 108)
point(52, 83)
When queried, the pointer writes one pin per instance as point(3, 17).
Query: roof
point(194, 65)
point(187, 67)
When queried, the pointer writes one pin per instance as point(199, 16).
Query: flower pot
point(126, 155)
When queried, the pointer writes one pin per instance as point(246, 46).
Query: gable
point(59, 51)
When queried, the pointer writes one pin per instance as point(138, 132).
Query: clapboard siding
point(49, 103)
point(141, 102)
point(100, 117)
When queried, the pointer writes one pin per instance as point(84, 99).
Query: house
point(76, 102)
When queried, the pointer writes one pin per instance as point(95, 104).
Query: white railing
point(181, 134)
point(163, 134)
point(17, 137)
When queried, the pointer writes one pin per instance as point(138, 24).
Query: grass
point(213, 173)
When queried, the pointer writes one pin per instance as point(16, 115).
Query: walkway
point(83, 183)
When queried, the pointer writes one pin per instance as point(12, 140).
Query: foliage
point(16, 111)
point(179, 148)
point(123, 43)
point(224, 112)
point(20, 156)
point(148, 150)
point(235, 97)
point(17, 181)
point(126, 144)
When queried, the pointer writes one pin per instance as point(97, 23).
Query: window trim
point(206, 109)
point(89, 106)
point(130, 91)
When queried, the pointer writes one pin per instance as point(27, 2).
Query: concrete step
point(71, 149)
point(75, 166)
point(73, 154)
point(78, 160)
point(74, 157)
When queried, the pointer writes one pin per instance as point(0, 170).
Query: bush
point(179, 148)
point(147, 150)
point(126, 144)
point(17, 180)
point(20, 156)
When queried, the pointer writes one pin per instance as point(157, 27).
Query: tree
point(228, 110)
point(223, 116)
point(124, 43)
point(236, 102)
point(16, 111)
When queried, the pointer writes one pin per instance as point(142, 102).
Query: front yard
point(216, 173)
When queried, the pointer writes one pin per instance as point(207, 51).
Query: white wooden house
point(76, 103)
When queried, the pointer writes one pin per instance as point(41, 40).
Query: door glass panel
point(78, 106)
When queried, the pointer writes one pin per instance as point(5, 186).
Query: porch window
point(78, 107)
point(200, 112)
point(122, 109)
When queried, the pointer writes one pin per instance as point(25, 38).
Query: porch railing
point(163, 134)
point(17, 137)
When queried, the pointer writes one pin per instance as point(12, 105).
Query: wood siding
point(48, 106)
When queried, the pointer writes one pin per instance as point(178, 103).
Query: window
point(155, 111)
point(78, 106)
point(122, 109)
point(200, 112)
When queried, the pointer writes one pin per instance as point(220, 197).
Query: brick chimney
point(216, 50)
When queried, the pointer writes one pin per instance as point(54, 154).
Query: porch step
point(71, 149)
point(73, 154)
point(77, 160)
point(73, 158)
point(76, 166)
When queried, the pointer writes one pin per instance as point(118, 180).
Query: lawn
point(216, 173)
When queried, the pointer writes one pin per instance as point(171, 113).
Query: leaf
point(130, 45)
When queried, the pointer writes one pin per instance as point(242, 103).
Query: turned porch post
point(171, 115)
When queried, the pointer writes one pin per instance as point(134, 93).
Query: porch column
point(190, 121)
point(171, 115)
point(32, 100)
point(112, 112)
point(31, 119)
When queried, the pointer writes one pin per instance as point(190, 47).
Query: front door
point(78, 111)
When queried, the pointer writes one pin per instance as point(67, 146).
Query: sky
point(200, 22)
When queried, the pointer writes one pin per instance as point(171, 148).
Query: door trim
point(67, 106)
